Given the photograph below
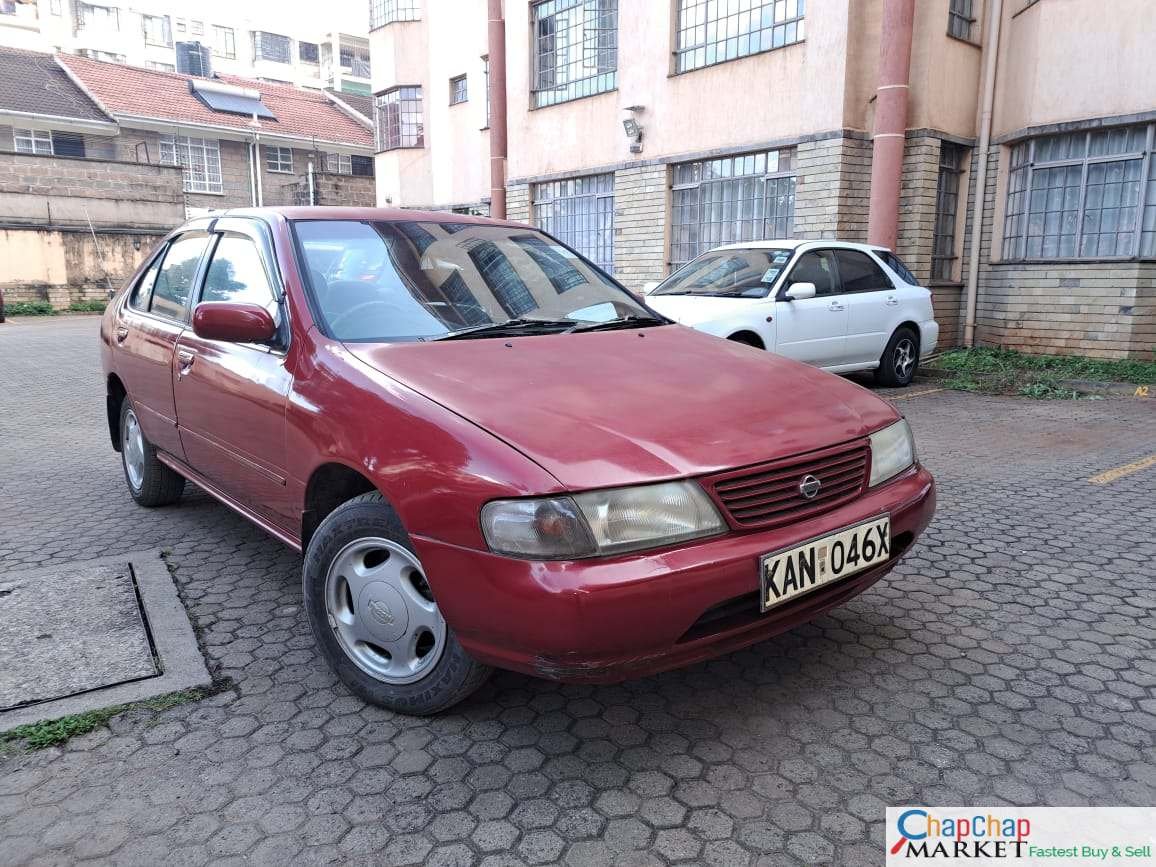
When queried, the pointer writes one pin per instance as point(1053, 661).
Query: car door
point(812, 330)
point(873, 306)
point(148, 326)
point(230, 397)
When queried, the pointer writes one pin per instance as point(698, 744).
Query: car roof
point(798, 243)
point(317, 212)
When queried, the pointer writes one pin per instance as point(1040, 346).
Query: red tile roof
point(129, 90)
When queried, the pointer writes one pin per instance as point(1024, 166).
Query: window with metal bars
point(715, 31)
point(270, 46)
point(199, 157)
point(943, 258)
point(575, 49)
point(732, 199)
point(961, 19)
point(1082, 195)
point(579, 212)
point(400, 120)
point(309, 52)
point(279, 159)
point(32, 141)
point(458, 91)
point(354, 60)
point(382, 12)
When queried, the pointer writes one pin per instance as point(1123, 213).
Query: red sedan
point(491, 454)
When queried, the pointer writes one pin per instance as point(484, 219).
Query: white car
point(836, 305)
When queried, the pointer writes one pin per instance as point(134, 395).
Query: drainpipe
point(309, 178)
point(990, 56)
point(497, 49)
point(252, 176)
point(890, 121)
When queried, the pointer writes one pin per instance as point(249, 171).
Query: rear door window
point(174, 284)
point(896, 264)
point(143, 290)
point(818, 267)
point(859, 272)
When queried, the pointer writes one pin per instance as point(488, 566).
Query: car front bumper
point(607, 620)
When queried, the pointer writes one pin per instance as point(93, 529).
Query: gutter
point(990, 59)
point(63, 122)
point(167, 125)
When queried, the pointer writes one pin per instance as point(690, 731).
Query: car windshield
point(728, 273)
point(397, 281)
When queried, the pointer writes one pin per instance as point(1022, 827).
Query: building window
point(160, 67)
point(278, 159)
point(961, 19)
point(270, 46)
point(196, 28)
point(157, 30)
point(308, 52)
point(338, 164)
point(383, 12)
point(575, 49)
point(712, 31)
point(32, 141)
point(458, 92)
point(354, 60)
point(580, 213)
point(1082, 195)
point(400, 123)
point(199, 157)
point(105, 56)
point(361, 166)
point(943, 256)
point(98, 17)
point(224, 42)
point(732, 199)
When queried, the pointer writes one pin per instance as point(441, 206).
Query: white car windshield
point(729, 273)
point(385, 281)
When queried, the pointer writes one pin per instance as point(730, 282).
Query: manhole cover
point(70, 630)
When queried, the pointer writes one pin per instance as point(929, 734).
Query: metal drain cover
point(70, 630)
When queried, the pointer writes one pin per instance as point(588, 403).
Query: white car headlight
point(600, 522)
point(892, 451)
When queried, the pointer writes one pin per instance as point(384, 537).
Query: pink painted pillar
point(497, 42)
point(890, 121)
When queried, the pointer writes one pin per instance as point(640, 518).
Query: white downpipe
point(312, 189)
point(990, 59)
point(252, 175)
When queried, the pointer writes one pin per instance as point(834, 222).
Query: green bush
point(95, 305)
point(1017, 364)
point(29, 308)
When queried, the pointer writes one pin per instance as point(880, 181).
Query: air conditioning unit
point(193, 58)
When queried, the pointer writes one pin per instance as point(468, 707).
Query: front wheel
point(374, 616)
point(900, 359)
point(149, 481)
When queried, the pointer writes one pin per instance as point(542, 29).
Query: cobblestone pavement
point(1009, 659)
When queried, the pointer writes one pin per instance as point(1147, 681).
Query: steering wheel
point(357, 308)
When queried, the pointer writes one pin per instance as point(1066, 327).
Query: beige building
point(644, 132)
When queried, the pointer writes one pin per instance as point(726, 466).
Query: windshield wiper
point(510, 326)
point(633, 320)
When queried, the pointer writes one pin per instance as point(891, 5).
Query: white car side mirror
point(801, 291)
point(647, 288)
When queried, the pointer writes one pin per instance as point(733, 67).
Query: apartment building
point(1003, 147)
point(170, 36)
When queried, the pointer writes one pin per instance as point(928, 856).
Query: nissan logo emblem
point(809, 487)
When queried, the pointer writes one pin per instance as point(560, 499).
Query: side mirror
point(800, 291)
point(235, 323)
point(647, 288)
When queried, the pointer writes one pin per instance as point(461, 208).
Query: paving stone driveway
point(1009, 659)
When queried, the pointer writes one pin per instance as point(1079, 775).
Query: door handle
point(836, 307)
point(185, 360)
point(121, 334)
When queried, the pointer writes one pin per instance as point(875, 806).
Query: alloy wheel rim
point(133, 450)
point(904, 358)
point(382, 612)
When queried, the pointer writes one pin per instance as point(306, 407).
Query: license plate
point(785, 575)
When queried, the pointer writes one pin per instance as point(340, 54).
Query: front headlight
point(600, 522)
point(892, 451)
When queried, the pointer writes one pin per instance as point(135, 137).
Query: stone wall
point(833, 188)
point(518, 203)
point(641, 224)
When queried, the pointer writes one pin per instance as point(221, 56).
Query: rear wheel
point(374, 616)
point(149, 481)
point(900, 359)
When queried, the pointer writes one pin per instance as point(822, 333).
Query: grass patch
point(1005, 371)
point(52, 733)
point(29, 308)
point(94, 305)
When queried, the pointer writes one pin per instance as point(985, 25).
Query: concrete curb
point(178, 656)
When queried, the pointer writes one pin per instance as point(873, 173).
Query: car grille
point(769, 495)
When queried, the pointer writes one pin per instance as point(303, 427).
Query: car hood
point(621, 407)
point(693, 309)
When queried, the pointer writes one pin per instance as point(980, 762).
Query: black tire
point(451, 679)
point(157, 485)
point(900, 359)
